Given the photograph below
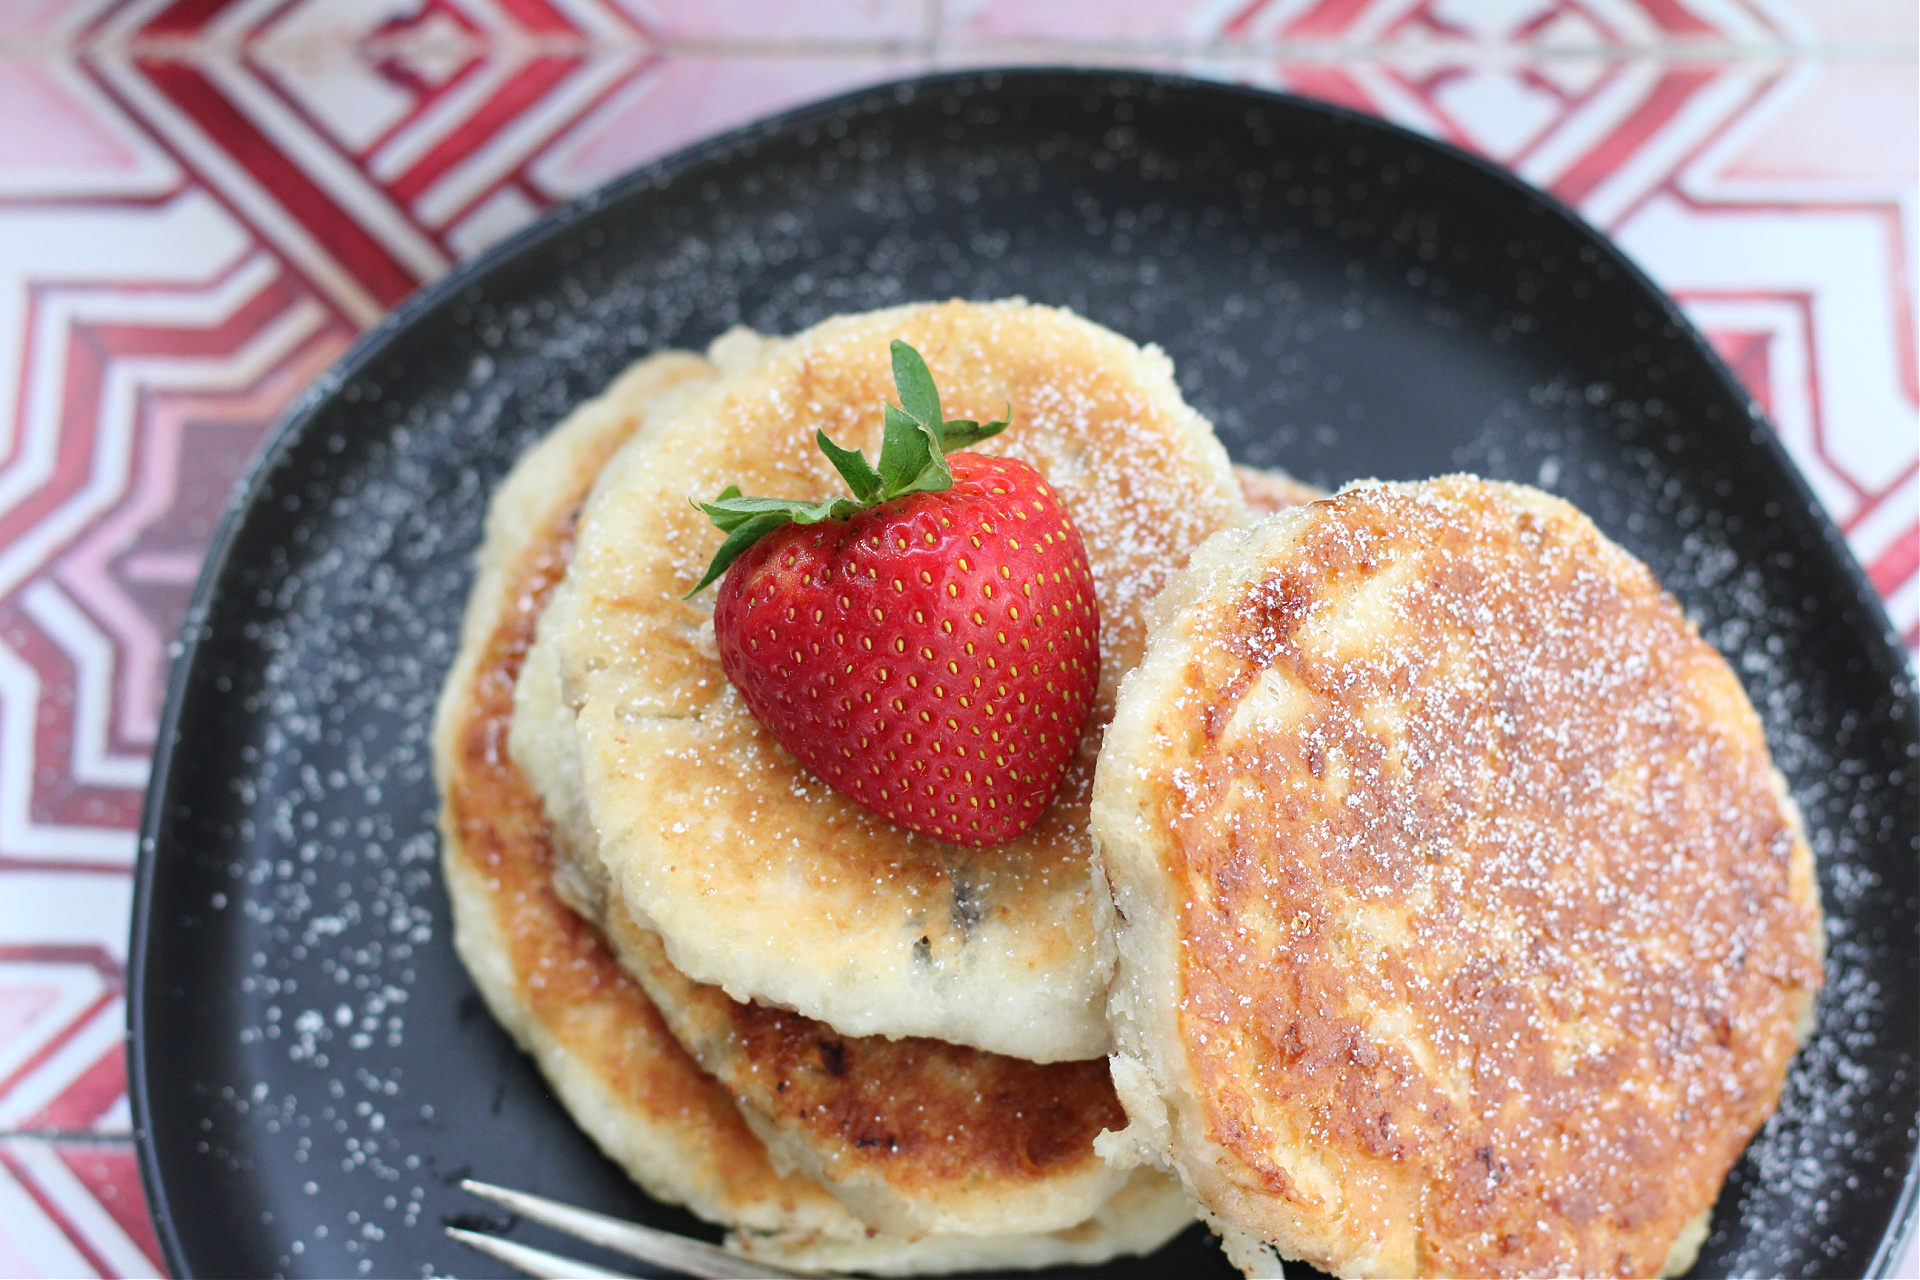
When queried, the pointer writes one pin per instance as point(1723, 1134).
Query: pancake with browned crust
point(552, 981)
point(760, 878)
point(913, 1135)
point(1466, 926)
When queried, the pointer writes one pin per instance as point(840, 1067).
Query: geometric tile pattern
point(73, 1209)
point(203, 201)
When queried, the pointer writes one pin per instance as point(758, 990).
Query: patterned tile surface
point(202, 202)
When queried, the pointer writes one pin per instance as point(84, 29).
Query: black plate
point(312, 1071)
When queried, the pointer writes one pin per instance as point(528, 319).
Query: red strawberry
point(931, 647)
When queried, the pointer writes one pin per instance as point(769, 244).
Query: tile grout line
point(70, 1137)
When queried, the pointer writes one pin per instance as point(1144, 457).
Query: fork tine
point(662, 1248)
point(535, 1262)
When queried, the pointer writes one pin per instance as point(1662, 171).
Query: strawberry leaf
point(744, 535)
point(909, 452)
point(958, 433)
point(853, 468)
point(913, 459)
point(747, 520)
point(914, 382)
point(719, 512)
point(730, 511)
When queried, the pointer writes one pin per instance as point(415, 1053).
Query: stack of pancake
point(857, 1047)
point(863, 1049)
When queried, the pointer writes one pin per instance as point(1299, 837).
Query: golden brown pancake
point(913, 1135)
point(1467, 928)
point(553, 982)
point(759, 878)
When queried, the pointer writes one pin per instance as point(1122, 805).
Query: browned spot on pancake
point(920, 1115)
point(925, 1111)
point(1502, 922)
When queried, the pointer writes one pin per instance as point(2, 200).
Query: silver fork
point(662, 1248)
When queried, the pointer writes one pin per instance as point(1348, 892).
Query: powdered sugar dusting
point(1767, 605)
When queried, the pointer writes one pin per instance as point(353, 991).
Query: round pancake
point(761, 879)
point(553, 982)
point(1465, 925)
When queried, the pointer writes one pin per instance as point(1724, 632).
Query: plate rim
point(288, 428)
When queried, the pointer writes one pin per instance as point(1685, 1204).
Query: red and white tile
point(70, 1208)
point(203, 201)
point(63, 944)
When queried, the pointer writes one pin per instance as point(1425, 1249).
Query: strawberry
point(929, 647)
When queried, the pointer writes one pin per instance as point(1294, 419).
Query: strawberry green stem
point(913, 459)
